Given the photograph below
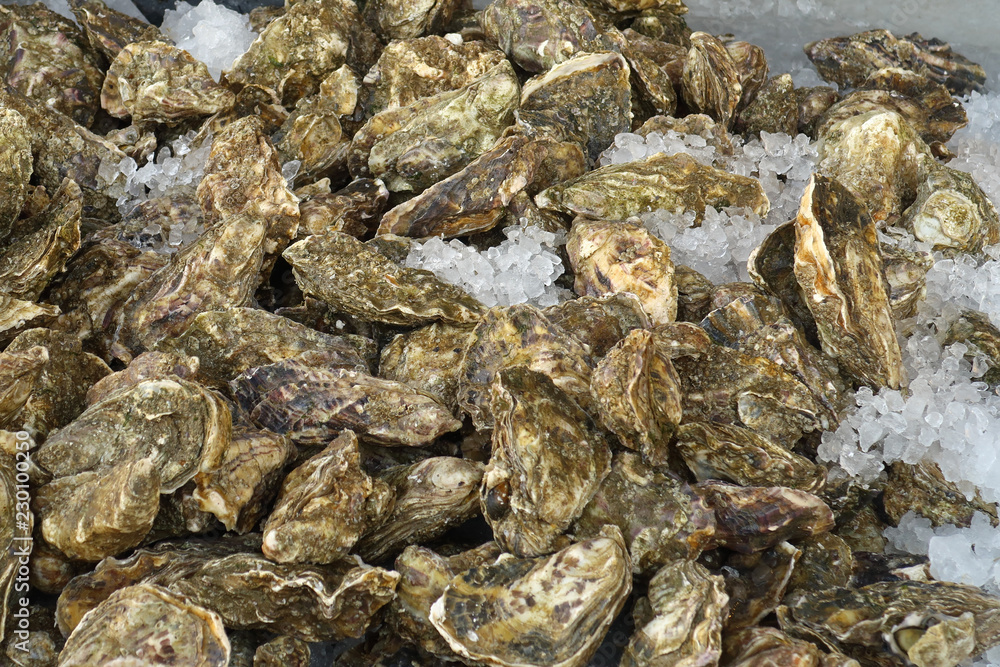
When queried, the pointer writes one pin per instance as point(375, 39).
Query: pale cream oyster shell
point(572, 596)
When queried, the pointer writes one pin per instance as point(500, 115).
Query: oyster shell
point(548, 460)
point(19, 373)
point(354, 209)
point(148, 623)
point(147, 366)
point(712, 81)
point(661, 517)
point(754, 518)
point(109, 31)
point(311, 404)
point(813, 103)
point(610, 257)
point(751, 63)
point(664, 23)
point(564, 603)
point(428, 359)
point(378, 290)
point(324, 507)
point(312, 135)
point(771, 267)
point(431, 496)
point(300, 48)
point(739, 455)
point(952, 212)
point(283, 651)
point(520, 335)
point(756, 583)
point(923, 487)
point(652, 63)
point(638, 394)
point(826, 562)
point(839, 267)
point(398, 19)
point(599, 322)
point(47, 58)
point(975, 329)
point(15, 167)
point(157, 82)
point(774, 109)
point(687, 605)
point(670, 182)
point(714, 134)
point(764, 646)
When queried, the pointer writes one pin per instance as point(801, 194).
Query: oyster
point(923, 487)
point(850, 60)
point(661, 517)
point(397, 19)
point(428, 359)
point(146, 623)
point(378, 289)
point(229, 342)
point(312, 135)
point(47, 58)
point(520, 335)
point(300, 48)
point(751, 63)
point(311, 404)
point(147, 366)
point(694, 292)
point(109, 31)
point(813, 103)
point(665, 23)
point(325, 505)
point(826, 562)
point(585, 99)
point(712, 81)
point(714, 134)
point(774, 109)
point(412, 147)
point(650, 61)
point(638, 394)
point(157, 82)
point(19, 373)
point(599, 322)
point(354, 209)
point(564, 603)
point(952, 212)
point(283, 651)
point(410, 69)
point(669, 182)
point(15, 167)
point(754, 518)
point(975, 329)
point(772, 268)
point(548, 460)
point(735, 454)
point(687, 605)
point(756, 583)
point(764, 646)
point(431, 496)
point(906, 272)
point(839, 267)
point(610, 257)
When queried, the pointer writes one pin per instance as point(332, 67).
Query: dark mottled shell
point(15, 167)
point(428, 359)
point(756, 583)
point(774, 109)
point(599, 322)
point(109, 31)
point(922, 487)
point(712, 80)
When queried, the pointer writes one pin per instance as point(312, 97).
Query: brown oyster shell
point(520, 335)
point(756, 583)
point(952, 212)
point(148, 623)
point(312, 134)
point(610, 257)
point(355, 209)
point(324, 507)
point(428, 359)
point(813, 103)
point(751, 63)
point(399, 19)
point(660, 516)
point(147, 366)
point(157, 82)
point(977, 331)
point(15, 167)
point(109, 31)
point(923, 487)
point(826, 561)
point(665, 23)
point(283, 651)
point(432, 496)
point(576, 592)
point(839, 267)
point(712, 81)
point(687, 605)
point(774, 109)
point(311, 404)
point(599, 322)
point(638, 394)
point(548, 460)
point(379, 290)
point(660, 181)
point(762, 646)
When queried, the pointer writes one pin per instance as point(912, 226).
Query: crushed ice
point(214, 34)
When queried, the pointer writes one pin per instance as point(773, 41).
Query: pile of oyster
point(281, 435)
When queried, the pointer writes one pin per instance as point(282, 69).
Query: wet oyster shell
point(650, 61)
point(688, 605)
point(712, 81)
point(975, 330)
point(378, 289)
point(756, 583)
point(324, 507)
point(432, 496)
point(299, 49)
point(428, 359)
point(311, 404)
point(146, 623)
point(564, 603)
point(826, 562)
point(771, 267)
point(547, 462)
point(664, 23)
point(157, 82)
point(610, 257)
point(229, 342)
point(952, 212)
point(403, 20)
point(108, 31)
point(312, 135)
point(813, 103)
point(670, 182)
point(839, 267)
point(15, 167)
point(47, 58)
point(754, 518)
point(923, 487)
point(661, 518)
point(283, 651)
point(764, 646)
point(775, 108)
point(520, 335)
point(147, 366)
point(355, 209)
point(19, 373)
point(599, 322)
point(906, 272)
point(751, 63)
point(739, 455)
point(639, 395)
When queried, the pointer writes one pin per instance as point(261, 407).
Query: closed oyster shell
point(147, 366)
point(952, 212)
point(398, 19)
point(547, 462)
point(764, 646)
point(923, 487)
point(432, 496)
point(671, 182)
point(157, 82)
point(355, 209)
point(839, 267)
point(735, 454)
point(324, 507)
point(299, 49)
point(774, 109)
point(379, 290)
point(650, 61)
point(826, 562)
point(15, 167)
point(906, 271)
point(520, 335)
point(751, 63)
point(146, 623)
point(283, 651)
point(610, 257)
point(712, 82)
point(688, 605)
point(109, 31)
point(600, 322)
point(428, 359)
point(564, 603)
point(756, 583)
point(661, 517)
point(977, 331)
point(638, 394)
